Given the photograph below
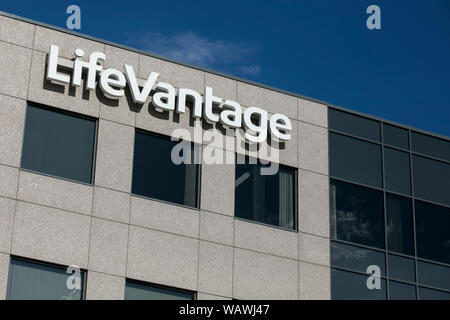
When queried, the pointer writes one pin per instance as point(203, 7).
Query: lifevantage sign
point(165, 97)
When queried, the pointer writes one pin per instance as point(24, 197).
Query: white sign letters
point(213, 109)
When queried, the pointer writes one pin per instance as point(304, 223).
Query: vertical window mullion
point(413, 214)
point(384, 213)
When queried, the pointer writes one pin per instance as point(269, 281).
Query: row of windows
point(394, 136)
point(351, 262)
point(357, 215)
point(42, 281)
point(29, 280)
point(347, 285)
point(63, 145)
point(362, 162)
point(389, 207)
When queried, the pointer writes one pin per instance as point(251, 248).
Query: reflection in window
point(432, 231)
point(356, 214)
point(410, 182)
point(399, 224)
point(265, 198)
point(355, 160)
point(140, 291)
point(38, 281)
point(156, 176)
point(352, 286)
point(355, 258)
point(58, 144)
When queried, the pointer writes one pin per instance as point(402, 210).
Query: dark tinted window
point(265, 198)
point(35, 281)
point(356, 214)
point(156, 176)
point(430, 294)
point(401, 268)
point(401, 291)
point(395, 136)
point(433, 275)
point(352, 124)
point(58, 144)
point(139, 291)
point(431, 146)
point(432, 231)
point(355, 160)
point(355, 258)
point(399, 224)
point(352, 286)
point(431, 180)
point(397, 171)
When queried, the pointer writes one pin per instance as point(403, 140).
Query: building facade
point(93, 205)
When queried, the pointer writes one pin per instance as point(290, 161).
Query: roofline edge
point(218, 73)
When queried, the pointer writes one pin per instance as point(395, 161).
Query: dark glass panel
point(431, 180)
point(430, 294)
point(356, 214)
point(156, 176)
point(401, 291)
point(401, 268)
point(433, 275)
point(431, 146)
point(355, 258)
point(352, 286)
point(395, 136)
point(432, 231)
point(35, 281)
point(58, 144)
point(399, 224)
point(353, 124)
point(397, 171)
point(355, 160)
point(139, 291)
point(265, 198)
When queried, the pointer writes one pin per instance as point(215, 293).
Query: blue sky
point(321, 49)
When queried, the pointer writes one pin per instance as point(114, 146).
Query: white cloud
point(250, 70)
point(191, 48)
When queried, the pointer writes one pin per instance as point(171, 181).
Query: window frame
point(296, 218)
point(414, 158)
point(358, 273)
point(387, 144)
point(199, 171)
point(69, 113)
point(366, 142)
point(382, 203)
point(388, 194)
point(355, 118)
point(160, 286)
point(416, 233)
point(47, 264)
